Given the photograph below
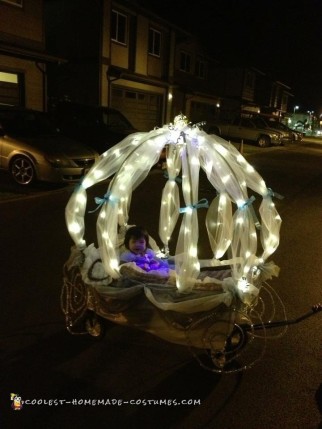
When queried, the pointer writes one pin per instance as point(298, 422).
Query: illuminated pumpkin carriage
point(214, 306)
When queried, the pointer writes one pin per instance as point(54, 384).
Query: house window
point(18, 3)
point(11, 89)
point(200, 68)
point(119, 27)
point(154, 42)
point(185, 62)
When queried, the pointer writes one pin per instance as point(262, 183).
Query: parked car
point(288, 135)
point(31, 149)
point(242, 128)
point(97, 126)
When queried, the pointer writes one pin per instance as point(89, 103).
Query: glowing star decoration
point(234, 231)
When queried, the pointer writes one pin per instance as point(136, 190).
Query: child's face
point(137, 245)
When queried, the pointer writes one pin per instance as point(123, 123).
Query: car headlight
point(58, 161)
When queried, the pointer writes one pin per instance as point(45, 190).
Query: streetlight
point(296, 108)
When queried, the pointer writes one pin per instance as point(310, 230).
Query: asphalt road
point(42, 362)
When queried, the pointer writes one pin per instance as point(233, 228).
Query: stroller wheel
point(234, 343)
point(95, 325)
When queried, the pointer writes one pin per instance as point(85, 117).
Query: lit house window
point(11, 88)
point(154, 42)
point(18, 3)
point(200, 68)
point(119, 27)
point(185, 62)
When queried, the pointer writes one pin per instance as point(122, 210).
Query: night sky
point(281, 37)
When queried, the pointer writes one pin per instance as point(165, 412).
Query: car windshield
point(26, 123)
point(115, 120)
point(89, 117)
point(270, 123)
point(277, 125)
point(259, 122)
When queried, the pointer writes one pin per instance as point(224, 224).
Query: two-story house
point(250, 90)
point(126, 57)
point(23, 57)
point(115, 53)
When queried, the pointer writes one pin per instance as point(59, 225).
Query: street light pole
point(295, 108)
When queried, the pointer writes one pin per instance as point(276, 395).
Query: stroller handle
point(314, 310)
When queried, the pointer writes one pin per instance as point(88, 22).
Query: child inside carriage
point(136, 241)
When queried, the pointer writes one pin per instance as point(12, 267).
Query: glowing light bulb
point(193, 251)
point(223, 200)
point(219, 253)
point(114, 263)
point(87, 182)
point(240, 220)
point(243, 284)
point(74, 227)
point(98, 174)
point(194, 161)
point(263, 187)
point(246, 269)
point(208, 167)
point(82, 243)
point(186, 187)
point(221, 149)
point(80, 198)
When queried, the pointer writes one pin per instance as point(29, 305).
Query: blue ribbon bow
point(175, 179)
point(249, 203)
point(271, 193)
point(100, 201)
point(200, 204)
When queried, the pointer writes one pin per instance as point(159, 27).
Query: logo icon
point(16, 401)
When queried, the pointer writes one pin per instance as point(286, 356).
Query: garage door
point(142, 109)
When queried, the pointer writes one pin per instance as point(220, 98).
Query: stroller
point(215, 306)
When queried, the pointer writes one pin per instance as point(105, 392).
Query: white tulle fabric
point(237, 236)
